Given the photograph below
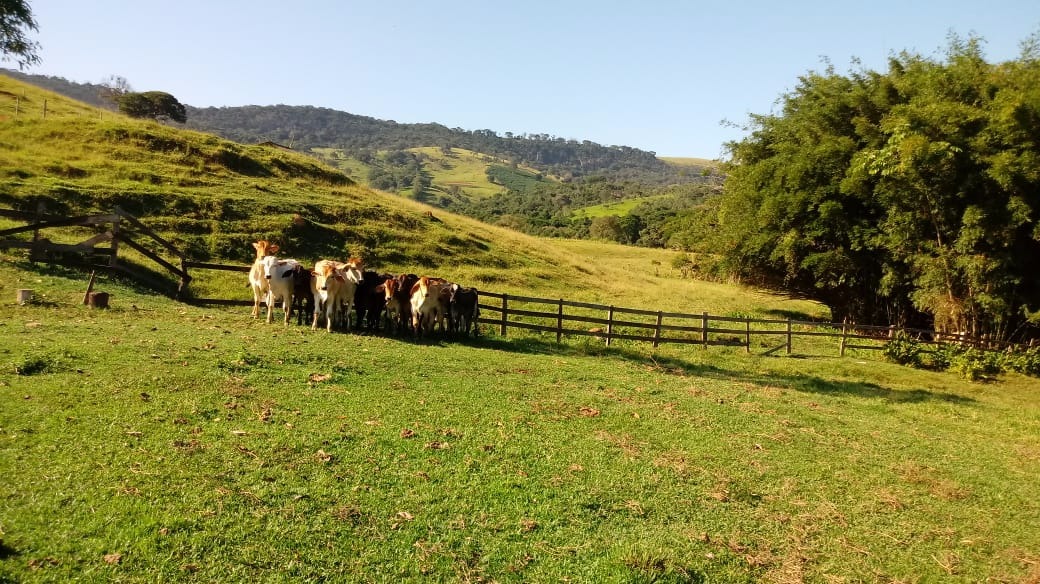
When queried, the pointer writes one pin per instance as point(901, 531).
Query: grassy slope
point(463, 169)
point(201, 445)
point(620, 208)
point(690, 161)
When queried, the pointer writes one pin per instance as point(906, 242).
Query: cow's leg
point(317, 311)
point(288, 304)
point(270, 305)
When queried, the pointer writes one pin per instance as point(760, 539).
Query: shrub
point(904, 351)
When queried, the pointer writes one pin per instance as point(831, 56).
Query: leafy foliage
point(16, 19)
point(907, 196)
point(156, 105)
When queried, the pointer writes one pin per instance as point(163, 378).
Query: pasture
point(158, 441)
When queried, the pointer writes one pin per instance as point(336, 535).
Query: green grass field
point(159, 441)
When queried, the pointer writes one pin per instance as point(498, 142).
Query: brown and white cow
point(333, 285)
point(257, 278)
point(398, 295)
point(430, 301)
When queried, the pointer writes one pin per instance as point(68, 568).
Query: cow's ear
point(313, 273)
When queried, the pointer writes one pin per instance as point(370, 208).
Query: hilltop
point(308, 127)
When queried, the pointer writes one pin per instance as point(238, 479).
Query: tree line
point(906, 196)
point(306, 127)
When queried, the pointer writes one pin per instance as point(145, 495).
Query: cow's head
point(323, 271)
point(269, 264)
point(264, 248)
point(390, 288)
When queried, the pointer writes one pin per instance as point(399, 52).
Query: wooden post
point(788, 336)
point(45, 108)
point(116, 229)
point(704, 330)
point(33, 253)
point(505, 309)
point(844, 338)
point(610, 323)
point(747, 334)
point(559, 321)
point(182, 289)
point(657, 330)
point(90, 288)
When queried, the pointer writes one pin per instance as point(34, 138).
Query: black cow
point(303, 299)
point(464, 309)
point(370, 300)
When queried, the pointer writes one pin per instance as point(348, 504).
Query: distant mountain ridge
point(307, 127)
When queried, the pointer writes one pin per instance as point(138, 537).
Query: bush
point(904, 351)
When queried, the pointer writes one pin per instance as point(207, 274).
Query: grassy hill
point(456, 174)
point(161, 441)
point(619, 208)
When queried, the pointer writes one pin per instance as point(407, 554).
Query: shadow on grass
point(792, 315)
point(676, 366)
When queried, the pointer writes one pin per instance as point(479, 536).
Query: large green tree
point(909, 196)
point(157, 105)
point(16, 19)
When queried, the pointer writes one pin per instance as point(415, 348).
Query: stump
point(24, 296)
point(97, 300)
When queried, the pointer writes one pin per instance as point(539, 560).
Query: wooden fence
point(564, 318)
point(704, 329)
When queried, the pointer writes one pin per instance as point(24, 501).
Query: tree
point(113, 89)
point(909, 196)
point(607, 227)
point(16, 19)
point(156, 105)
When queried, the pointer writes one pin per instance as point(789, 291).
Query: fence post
point(559, 321)
point(45, 109)
point(657, 330)
point(34, 255)
point(844, 338)
point(704, 330)
point(788, 336)
point(182, 290)
point(116, 229)
point(747, 334)
point(505, 308)
point(610, 324)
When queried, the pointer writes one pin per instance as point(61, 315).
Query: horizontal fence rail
point(558, 316)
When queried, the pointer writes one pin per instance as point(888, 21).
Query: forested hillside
point(306, 127)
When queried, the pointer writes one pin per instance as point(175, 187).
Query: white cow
point(281, 284)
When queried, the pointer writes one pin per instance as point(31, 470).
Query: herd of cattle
point(412, 304)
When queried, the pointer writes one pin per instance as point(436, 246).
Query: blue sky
point(656, 75)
